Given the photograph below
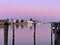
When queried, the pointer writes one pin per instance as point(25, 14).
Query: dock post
point(34, 33)
point(51, 34)
point(6, 33)
point(13, 32)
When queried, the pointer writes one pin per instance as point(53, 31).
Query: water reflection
point(25, 36)
point(17, 25)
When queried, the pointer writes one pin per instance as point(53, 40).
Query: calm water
point(25, 36)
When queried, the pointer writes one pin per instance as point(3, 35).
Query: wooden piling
point(34, 33)
point(51, 35)
point(13, 35)
point(5, 33)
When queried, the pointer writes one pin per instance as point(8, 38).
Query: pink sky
point(30, 8)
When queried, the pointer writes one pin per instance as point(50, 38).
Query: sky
point(30, 8)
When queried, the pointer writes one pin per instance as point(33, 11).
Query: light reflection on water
point(25, 36)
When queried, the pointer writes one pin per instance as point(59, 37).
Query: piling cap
point(6, 23)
